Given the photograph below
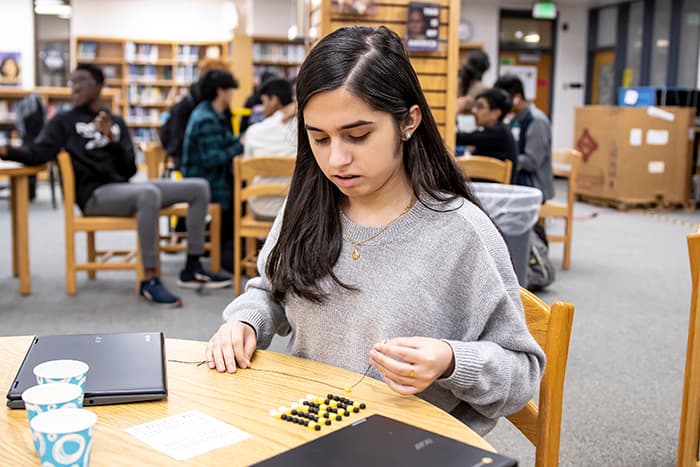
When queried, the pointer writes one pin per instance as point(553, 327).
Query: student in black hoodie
point(492, 138)
point(103, 160)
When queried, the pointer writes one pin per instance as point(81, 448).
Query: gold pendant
point(355, 254)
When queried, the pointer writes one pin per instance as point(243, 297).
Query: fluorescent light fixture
point(662, 43)
point(532, 38)
point(518, 34)
point(59, 8)
point(544, 10)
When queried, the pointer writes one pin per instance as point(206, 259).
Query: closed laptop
point(124, 367)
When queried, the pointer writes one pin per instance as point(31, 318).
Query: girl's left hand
point(410, 364)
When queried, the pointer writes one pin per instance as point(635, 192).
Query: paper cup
point(62, 371)
point(63, 437)
point(44, 397)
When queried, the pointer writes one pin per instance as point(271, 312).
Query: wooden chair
point(154, 156)
point(689, 433)
point(565, 163)
point(486, 168)
point(244, 224)
point(96, 259)
point(541, 422)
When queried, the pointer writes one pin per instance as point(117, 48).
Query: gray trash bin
point(515, 210)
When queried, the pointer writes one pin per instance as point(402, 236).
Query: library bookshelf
point(54, 99)
point(149, 75)
point(278, 55)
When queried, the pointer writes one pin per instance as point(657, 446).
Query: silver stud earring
point(407, 135)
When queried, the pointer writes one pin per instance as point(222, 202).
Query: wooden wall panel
point(437, 71)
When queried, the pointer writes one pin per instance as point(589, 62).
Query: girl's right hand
point(231, 346)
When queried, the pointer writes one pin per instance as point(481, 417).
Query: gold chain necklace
point(356, 252)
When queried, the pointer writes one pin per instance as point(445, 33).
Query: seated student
point(172, 133)
point(103, 159)
point(209, 148)
point(493, 138)
point(533, 136)
point(382, 254)
point(274, 136)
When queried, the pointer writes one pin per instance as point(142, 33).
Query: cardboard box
point(635, 154)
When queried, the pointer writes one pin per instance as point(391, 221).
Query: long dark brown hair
point(370, 63)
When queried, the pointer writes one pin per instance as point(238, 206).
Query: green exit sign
point(544, 10)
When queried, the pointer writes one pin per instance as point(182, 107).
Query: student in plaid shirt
point(209, 148)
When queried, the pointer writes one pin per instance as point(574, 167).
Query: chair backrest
point(541, 422)
point(65, 165)
point(247, 168)
point(154, 156)
point(689, 433)
point(565, 163)
point(486, 168)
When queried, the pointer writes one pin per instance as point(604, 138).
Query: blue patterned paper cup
point(44, 397)
point(62, 371)
point(63, 437)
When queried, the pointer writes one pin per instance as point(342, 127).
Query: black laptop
point(124, 367)
point(382, 441)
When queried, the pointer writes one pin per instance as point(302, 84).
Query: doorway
point(526, 49)
point(603, 84)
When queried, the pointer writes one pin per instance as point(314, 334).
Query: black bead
point(284, 416)
point(326, 415)
point(328, 422)
point(355, 409)
point(305, 403)
point(306, 423)
point(327, 401)
point(317, 428)
point(338, 418)
point(336, 398)
point(347, 414)
point(294, 411)
point(329, 396)
point(362, 405)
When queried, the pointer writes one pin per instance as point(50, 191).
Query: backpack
point(540, 270)
point(172, 132)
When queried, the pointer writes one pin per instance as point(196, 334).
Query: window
point(633, 67)
point(660, 43)
point(607, 27)
point(690, 45)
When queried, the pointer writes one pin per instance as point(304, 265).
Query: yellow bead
point(348, 389)
point(334, 404)
point(356, 404)
point(322, 407)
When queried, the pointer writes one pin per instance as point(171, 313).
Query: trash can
point(515, 210)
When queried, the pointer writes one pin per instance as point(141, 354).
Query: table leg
point(13, 225)
point(20, 202)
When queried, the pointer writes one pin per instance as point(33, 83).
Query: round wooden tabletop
point(243, 400)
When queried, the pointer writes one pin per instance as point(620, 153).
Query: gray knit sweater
point(445, 275)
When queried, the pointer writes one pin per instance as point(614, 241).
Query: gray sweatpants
point(145, 199)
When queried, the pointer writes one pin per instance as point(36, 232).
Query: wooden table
point(243, 400)
point(19, 201)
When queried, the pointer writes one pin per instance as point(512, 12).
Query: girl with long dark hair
point(382, 254)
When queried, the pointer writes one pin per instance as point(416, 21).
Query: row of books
point(140, 115)
point(283, 53)
point(148, 94)
point(146, 52)
point(7, 111)
point(186, 73)
point(87, 50)
point(144, 135)
point(283, 72)
point(150, 73)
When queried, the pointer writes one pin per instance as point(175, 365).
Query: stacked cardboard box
point(635, 155)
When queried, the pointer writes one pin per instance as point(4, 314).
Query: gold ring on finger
point(411, 373)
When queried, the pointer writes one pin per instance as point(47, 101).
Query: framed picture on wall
point(423, 27)
point(10, 71)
